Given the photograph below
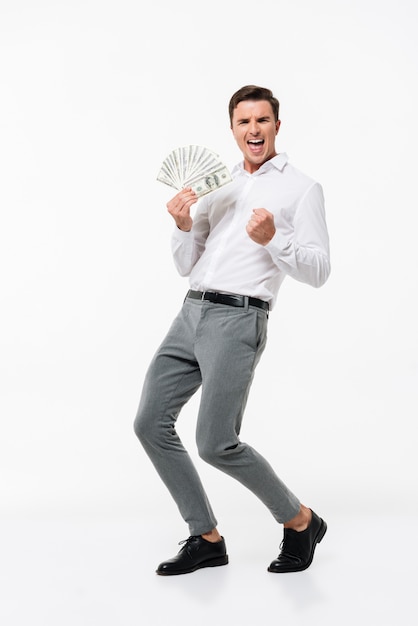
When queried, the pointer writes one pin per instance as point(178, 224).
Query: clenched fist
point(261, 226)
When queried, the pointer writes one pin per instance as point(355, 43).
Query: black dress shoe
point(297, 548)
point(195, 554)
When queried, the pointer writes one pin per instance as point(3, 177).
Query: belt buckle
point(202, 297)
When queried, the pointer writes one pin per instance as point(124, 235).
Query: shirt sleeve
point(187, 247)
point(303, 254)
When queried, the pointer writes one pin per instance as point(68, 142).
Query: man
point(269, 222)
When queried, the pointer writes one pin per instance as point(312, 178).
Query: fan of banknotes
point(196, 167)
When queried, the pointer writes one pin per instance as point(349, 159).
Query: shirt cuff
point(182, 235)
point(278, 244)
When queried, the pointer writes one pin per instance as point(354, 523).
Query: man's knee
point(138, 428)
point(215, 453)
point(152, 429)
point(144, 427)
point(207, 453)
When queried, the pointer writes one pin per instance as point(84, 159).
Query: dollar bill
point(194, 166)
point(211, 181)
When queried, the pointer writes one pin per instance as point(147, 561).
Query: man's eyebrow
point(262, 118)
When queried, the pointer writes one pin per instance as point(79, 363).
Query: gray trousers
point(215, 347)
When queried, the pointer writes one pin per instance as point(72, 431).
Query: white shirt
point(218, 254)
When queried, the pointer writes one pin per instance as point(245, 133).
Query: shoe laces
point(285, 550)
point(188, 540)
point(186, 543)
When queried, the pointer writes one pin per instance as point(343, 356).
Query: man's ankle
point(212, 536)
point(301, 521)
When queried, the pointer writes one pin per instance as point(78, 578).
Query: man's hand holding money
point(179, 208)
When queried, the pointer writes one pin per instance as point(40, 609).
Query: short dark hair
point(253, 92)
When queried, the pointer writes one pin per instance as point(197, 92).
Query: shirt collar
point(278, 161)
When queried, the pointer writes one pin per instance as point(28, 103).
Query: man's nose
point(254, 129)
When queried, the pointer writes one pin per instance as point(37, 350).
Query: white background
point(94, 95)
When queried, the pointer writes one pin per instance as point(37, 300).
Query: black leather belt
point(227, 298)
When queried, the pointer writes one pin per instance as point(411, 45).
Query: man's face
point(255, 130)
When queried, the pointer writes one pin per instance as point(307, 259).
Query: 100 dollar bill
point(210, 182)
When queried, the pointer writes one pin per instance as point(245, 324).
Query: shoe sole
point(223, 560)
point(321, 532)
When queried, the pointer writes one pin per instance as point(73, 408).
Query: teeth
point(255, 141)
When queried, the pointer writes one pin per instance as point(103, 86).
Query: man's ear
point(277, 126)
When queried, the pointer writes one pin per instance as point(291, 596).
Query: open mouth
point(255, 145)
